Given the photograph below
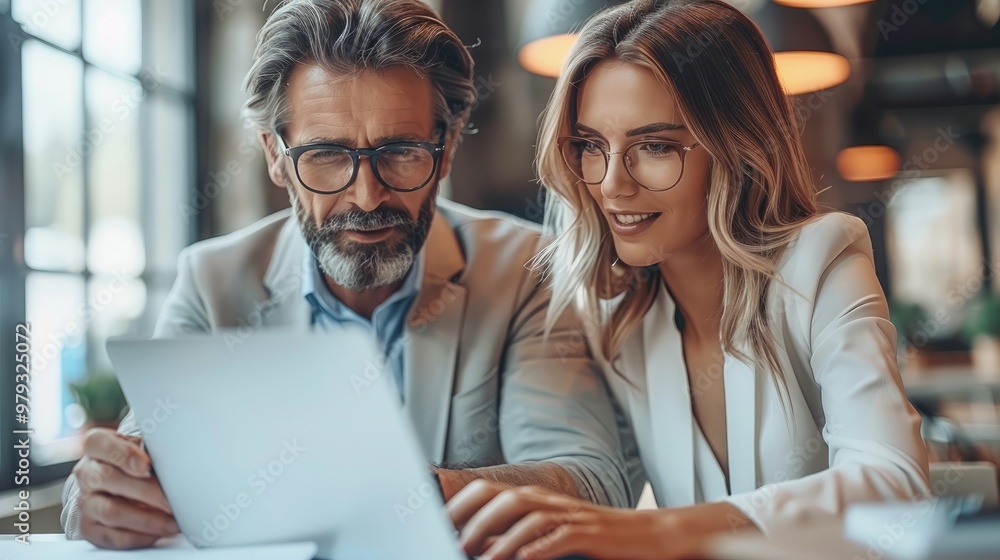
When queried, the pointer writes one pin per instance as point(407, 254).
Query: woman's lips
point(635, 227)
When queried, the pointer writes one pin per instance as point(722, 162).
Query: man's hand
point(121, 503)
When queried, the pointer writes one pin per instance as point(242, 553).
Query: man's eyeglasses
point(332, 168)
point(657, 165)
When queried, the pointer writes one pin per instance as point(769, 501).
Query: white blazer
point(849, 434)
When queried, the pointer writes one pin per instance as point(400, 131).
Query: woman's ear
point(269, 142)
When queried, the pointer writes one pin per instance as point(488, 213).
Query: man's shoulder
point(260, 233)
point(477, 228)
point(254, 243)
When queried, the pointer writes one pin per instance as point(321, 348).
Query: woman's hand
point(529, 523)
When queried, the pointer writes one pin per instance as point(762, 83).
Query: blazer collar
point(671, 411)
point(444, 261)
point(287, 307)
point(433, 334)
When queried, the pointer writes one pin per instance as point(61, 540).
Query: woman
point(744, 334)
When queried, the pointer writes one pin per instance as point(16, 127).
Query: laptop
point(278, 437)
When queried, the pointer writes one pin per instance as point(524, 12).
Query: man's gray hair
point(351, 36)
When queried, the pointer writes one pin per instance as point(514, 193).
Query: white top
point(849, 435)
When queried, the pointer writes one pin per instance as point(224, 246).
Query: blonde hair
point(719, 67)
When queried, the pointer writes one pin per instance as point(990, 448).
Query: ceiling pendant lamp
point(803, 53)
point(549, 32)
point(868, 163)
point(804, 56)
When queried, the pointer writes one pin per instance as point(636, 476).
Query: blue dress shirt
point(388, 321)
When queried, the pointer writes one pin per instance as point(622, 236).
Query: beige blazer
point(847, 433)
point(481, 383)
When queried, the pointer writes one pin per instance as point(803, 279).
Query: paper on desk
point(178, 549)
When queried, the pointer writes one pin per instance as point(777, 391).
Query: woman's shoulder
point(822, 239)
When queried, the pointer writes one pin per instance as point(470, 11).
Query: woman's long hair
point(720, 69)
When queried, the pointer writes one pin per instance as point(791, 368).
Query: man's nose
point(367, 192)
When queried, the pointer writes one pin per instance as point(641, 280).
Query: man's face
point(366, 236)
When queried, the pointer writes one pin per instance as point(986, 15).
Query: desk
point(10, 550)
point(962, 384)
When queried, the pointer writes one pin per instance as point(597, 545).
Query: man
point(359, 106)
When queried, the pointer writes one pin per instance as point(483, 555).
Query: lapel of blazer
point(433, 330)
point(741, 384)
point(669, 404)
point(285, 307)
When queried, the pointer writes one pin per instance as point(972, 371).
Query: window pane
point(116, 301)
point(171, 214)
point(54, 148)
point(115, 245)
point(934, 249)
point(56, 311)
point(56, 21)
point(112, 34)
point(167, 43)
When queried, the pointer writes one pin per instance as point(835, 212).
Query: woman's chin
point(637, 257)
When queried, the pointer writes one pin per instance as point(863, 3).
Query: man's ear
point(450, 147)
point(269, 142)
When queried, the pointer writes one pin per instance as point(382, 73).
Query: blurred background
point(121, 142)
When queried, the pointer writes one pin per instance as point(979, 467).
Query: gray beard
point(359, 266)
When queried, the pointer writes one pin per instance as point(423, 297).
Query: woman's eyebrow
point(645, 129)
point(651, 128)
point(580, 127)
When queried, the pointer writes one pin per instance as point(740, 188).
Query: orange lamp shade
point(868, 163)
point(808, 71)
point(546, 56)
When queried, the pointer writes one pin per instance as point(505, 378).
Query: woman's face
point(622, 103)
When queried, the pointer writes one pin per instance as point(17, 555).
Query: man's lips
point(372, 235)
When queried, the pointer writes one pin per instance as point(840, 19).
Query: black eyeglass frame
point(436, 150)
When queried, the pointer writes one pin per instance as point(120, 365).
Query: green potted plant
point(908, 317)
point(982, 329)
point(101, 398)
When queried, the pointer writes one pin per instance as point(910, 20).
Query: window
point(106, 103)
point(933, 241)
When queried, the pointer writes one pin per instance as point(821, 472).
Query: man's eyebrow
point(328, 140)
point(406, 137)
